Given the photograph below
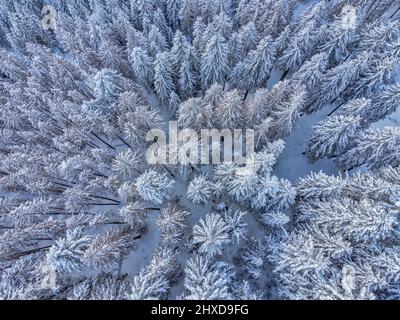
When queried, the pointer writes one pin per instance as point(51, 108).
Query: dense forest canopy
point(83, 215)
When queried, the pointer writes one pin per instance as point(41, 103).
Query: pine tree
point(249, 36)
point(373, 148)
point(157, 41)
point(335, 81)
point(231, 111)
point(222, 24)
point(254, 71)
point(142, 66)
point(356, 107)
point(134, 215)
point(108, 85)
point(173, 8)
point(153, 186)
point(284, 197)
point(174, 103)
point(254, 257)
point(262, 132)
point(189, 111)
point(161, 23)
point(205, 279)
point(311, 74)
point(179, 50)
point(236, 50)
point(211, 234)
point(135, 38)
point(108, 248)
point(377, 35)
point(381, 72)
point(320, 186)
point(285, 114)
point(340, 36)
point(199, 190)
point(67, 253)
point(214, 64)
point(242, 185)
point(237, 226)
point(104, 286)
point(187, 13)
point(384, 102)
point(187, 78)
point(333, 136)
point(358, 221)
point(163, 80)
point(199, 41)
point(127, 163)
point(244, 291)
point(281, 17)
point(298, 50)
point(172, 224)
point(258, 107)
point(153, 280)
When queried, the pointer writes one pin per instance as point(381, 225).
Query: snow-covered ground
point(292, 163)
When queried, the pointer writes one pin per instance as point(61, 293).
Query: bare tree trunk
point(394, 13)
point(284, 75)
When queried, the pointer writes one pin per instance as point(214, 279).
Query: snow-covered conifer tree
point(134, 215)
point(230, 111)
point(320, 186)
point(249, 36)
point(333, 136)
point(341, 35)
point(174, 103)
point(153, 186)
point(311, 73)
point(142, 66)
point(127, 163)
point(384, 102)
point(285, 114)
point(236, 50)
point(199, 41)
point(215, 63)
point(223, 25)
point(163, 79)
point(374, 148)
point(200, 189)
point(172, 224)
point(160, 22)
point(108, 85)
point(281, 17)
point(236, 224)
point(157, 41)
point(211, 234)
point(189, 111)
point(356, 107)
point(67, 253)
point(179, 50)
point(254, 257)
point(187, 78)
point(154, 280)
point(188, 12)
point(255, 69)
point(205, 279)
point(173, 8)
